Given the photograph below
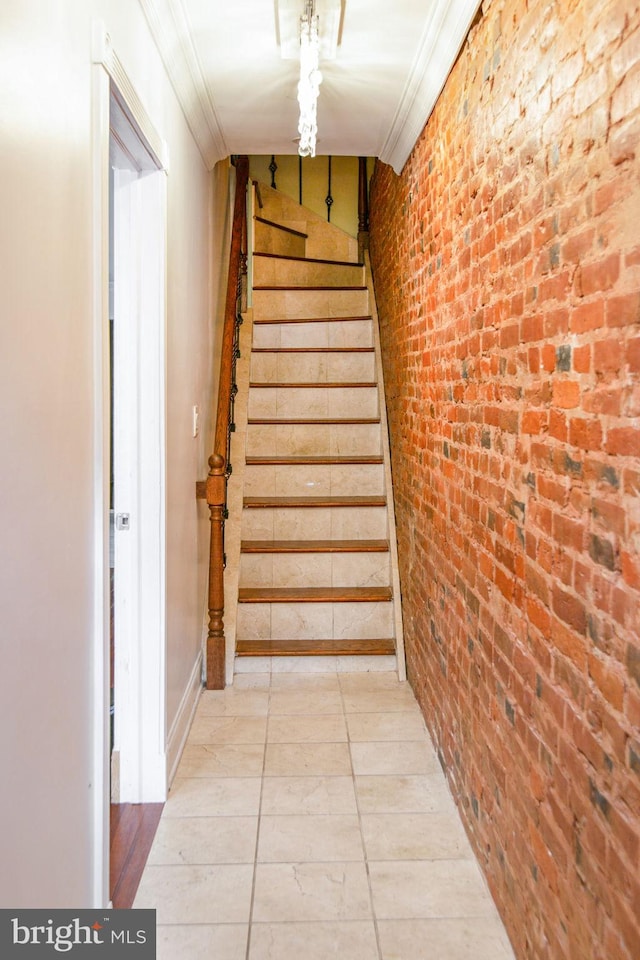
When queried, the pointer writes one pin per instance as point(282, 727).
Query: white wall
point(47, 425)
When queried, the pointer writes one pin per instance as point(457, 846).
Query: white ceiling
point(238, 89)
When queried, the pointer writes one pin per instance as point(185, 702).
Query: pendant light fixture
point(310, 80)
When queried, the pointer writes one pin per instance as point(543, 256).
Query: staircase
point(318, 575)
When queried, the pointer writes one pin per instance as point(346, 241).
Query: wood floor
point(133, 827)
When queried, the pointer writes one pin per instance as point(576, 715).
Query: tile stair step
point(317, 366)
point(272, 270)
point(297, 440)
point(314, 594)
point(304, 461)
point(279, 503)
point(314, 648)
point(293, 523)
point(314, 546)
point(323, 568)
point(271, 239)
point(318, 300)
point(335, 399)
point(333, 263)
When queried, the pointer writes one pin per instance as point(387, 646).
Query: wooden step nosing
point(326, 421)
point(321, 460)
point(280, 226)
point(315, 385)
point(293, 503)
point(270, 321)
point(315, 595)
point(314, 546)
point(303, 288)
point(317, 648)
point(333, 350)
point(384, 646)
point(311, 260)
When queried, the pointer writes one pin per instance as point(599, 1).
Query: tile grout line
point(364, 847)
point(255, 855)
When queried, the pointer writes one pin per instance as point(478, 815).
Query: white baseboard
point(184, 717)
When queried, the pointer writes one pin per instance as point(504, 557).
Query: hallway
point(310, 818)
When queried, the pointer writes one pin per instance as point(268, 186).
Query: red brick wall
point(507, 267)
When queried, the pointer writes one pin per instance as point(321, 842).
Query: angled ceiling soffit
point(442, 38)
point(170, 29)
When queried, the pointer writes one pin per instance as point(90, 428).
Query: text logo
point(80, 933)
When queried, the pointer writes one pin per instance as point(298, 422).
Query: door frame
point(143, 711)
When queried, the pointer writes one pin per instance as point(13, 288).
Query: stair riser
point(309, 303)
point(314, 621)
point(271, 240)
point(314, 523)
point(325, 239)
point(314, 367)
point(269, 271)
point(331, 402)
point(354, 333)
point(315, 570)
point(314, 480)
point(314, 439)
point(331, 246)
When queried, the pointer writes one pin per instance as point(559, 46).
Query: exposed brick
point(566, 394)
point(570, 609)
point(508, 292)
point(587, 316)
point(607, 356)
point(599, 276)
point(624, 441)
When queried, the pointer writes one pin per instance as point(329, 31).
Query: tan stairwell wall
point(344, 184)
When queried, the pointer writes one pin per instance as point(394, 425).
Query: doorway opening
point(137, 186)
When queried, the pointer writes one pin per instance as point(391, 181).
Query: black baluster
point(273, 166)
point(329, 198)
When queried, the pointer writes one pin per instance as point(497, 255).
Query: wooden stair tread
point(304, 286)
point(332, 384)
point(336, 421)
point(279, 502)
point(269, 320)
point(289, 460)
point(287, 256)
point(312, 349)
point(316, 648)
point(314, 594)
point(279, 226)
point(314, 546)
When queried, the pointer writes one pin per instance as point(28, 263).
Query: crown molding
point(441, 40)
point(170, 29)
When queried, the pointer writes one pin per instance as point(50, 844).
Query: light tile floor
point(310, 818)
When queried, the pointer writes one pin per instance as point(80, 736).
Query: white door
point(137, 248)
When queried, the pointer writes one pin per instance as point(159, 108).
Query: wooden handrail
point(363, 208)
point(219, 466)
point(230, 313)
